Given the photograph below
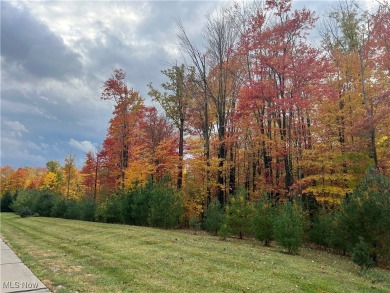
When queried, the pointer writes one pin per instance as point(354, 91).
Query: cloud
point(15, 128)
point(85, 145)
point(17, 152)
point(55, 56)
point(30, 45)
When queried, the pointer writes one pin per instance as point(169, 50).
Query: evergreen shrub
point(288, 229)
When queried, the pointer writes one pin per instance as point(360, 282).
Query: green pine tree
point(361, 255)
point(213, 217)
point(263, 221)
point(239, 213)
point(288, 228)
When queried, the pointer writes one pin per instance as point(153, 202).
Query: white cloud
point(74, 21)
point(33, 146)
point(85, 145)
point(15, 128)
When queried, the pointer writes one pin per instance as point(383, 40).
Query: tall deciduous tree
point(156, 141)
point(285, 77)
point(218, 79)
point(221, 35)
point(70, 174)
point(178, 91)
point(6, 173)
point(54, 177)
point(90, 173)
point(127, 101)
point(198, 59)
point(351, 121)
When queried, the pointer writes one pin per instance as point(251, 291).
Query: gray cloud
point(55, 56)
point(33, 46)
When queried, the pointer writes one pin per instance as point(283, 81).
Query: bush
point(87, 210)
point(321, 230)
point(127, 202)
point(288, 228)
point(263, 221)
point(140, 205)
point(361, 255)
point(39, 201)
point(72, 209)
point(238, 215)
point(59, 208)
point(165, 207)
point(195, 223)
point(25, 212)
point(366, 214)
point(6, 202)
point(110, 210)
point(213, 217)
point(224, 231)
point(24, 199)
point(42, 202)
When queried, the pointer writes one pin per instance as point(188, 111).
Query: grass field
point(70, 256)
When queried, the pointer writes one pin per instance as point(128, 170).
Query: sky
point(56, 55)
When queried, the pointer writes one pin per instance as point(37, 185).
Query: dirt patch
point(74, 269)
point(49, 284)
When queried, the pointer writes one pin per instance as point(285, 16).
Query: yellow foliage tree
point(138, 172)
point(50, 181)
point(72, 178)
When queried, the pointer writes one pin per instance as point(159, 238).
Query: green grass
point(70, 256)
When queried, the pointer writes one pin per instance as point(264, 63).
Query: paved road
point(15, 276)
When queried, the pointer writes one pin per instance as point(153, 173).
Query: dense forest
point(261, 132)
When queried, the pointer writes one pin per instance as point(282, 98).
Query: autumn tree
point(70, 176)
point(198, 59)
point(133, 149)
point(351, 119)
point(380, 44)
point(50, 182)
point(90, 174)
point(127, 101)
point(18, 179)
point(221, 36)
point(285, 74)
point(152, 152)
point(55, 167)
point(218, 79)
point(157, 139)
point(22, 178)
point(374, 56)
point(108, 167)
point(178, 91)
point(6, 173)
point(34, 177)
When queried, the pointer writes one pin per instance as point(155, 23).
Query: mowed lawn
point(70, 256)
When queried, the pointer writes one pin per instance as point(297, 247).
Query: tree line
point(360, 227)
point(258, 106)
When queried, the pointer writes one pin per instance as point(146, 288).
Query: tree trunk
point(206, 135)
point(95, 179)
point(220, 179)
point(232, 172)
point(181, 153)
point(370, 110)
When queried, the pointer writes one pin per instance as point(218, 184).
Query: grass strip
point(81, 256)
